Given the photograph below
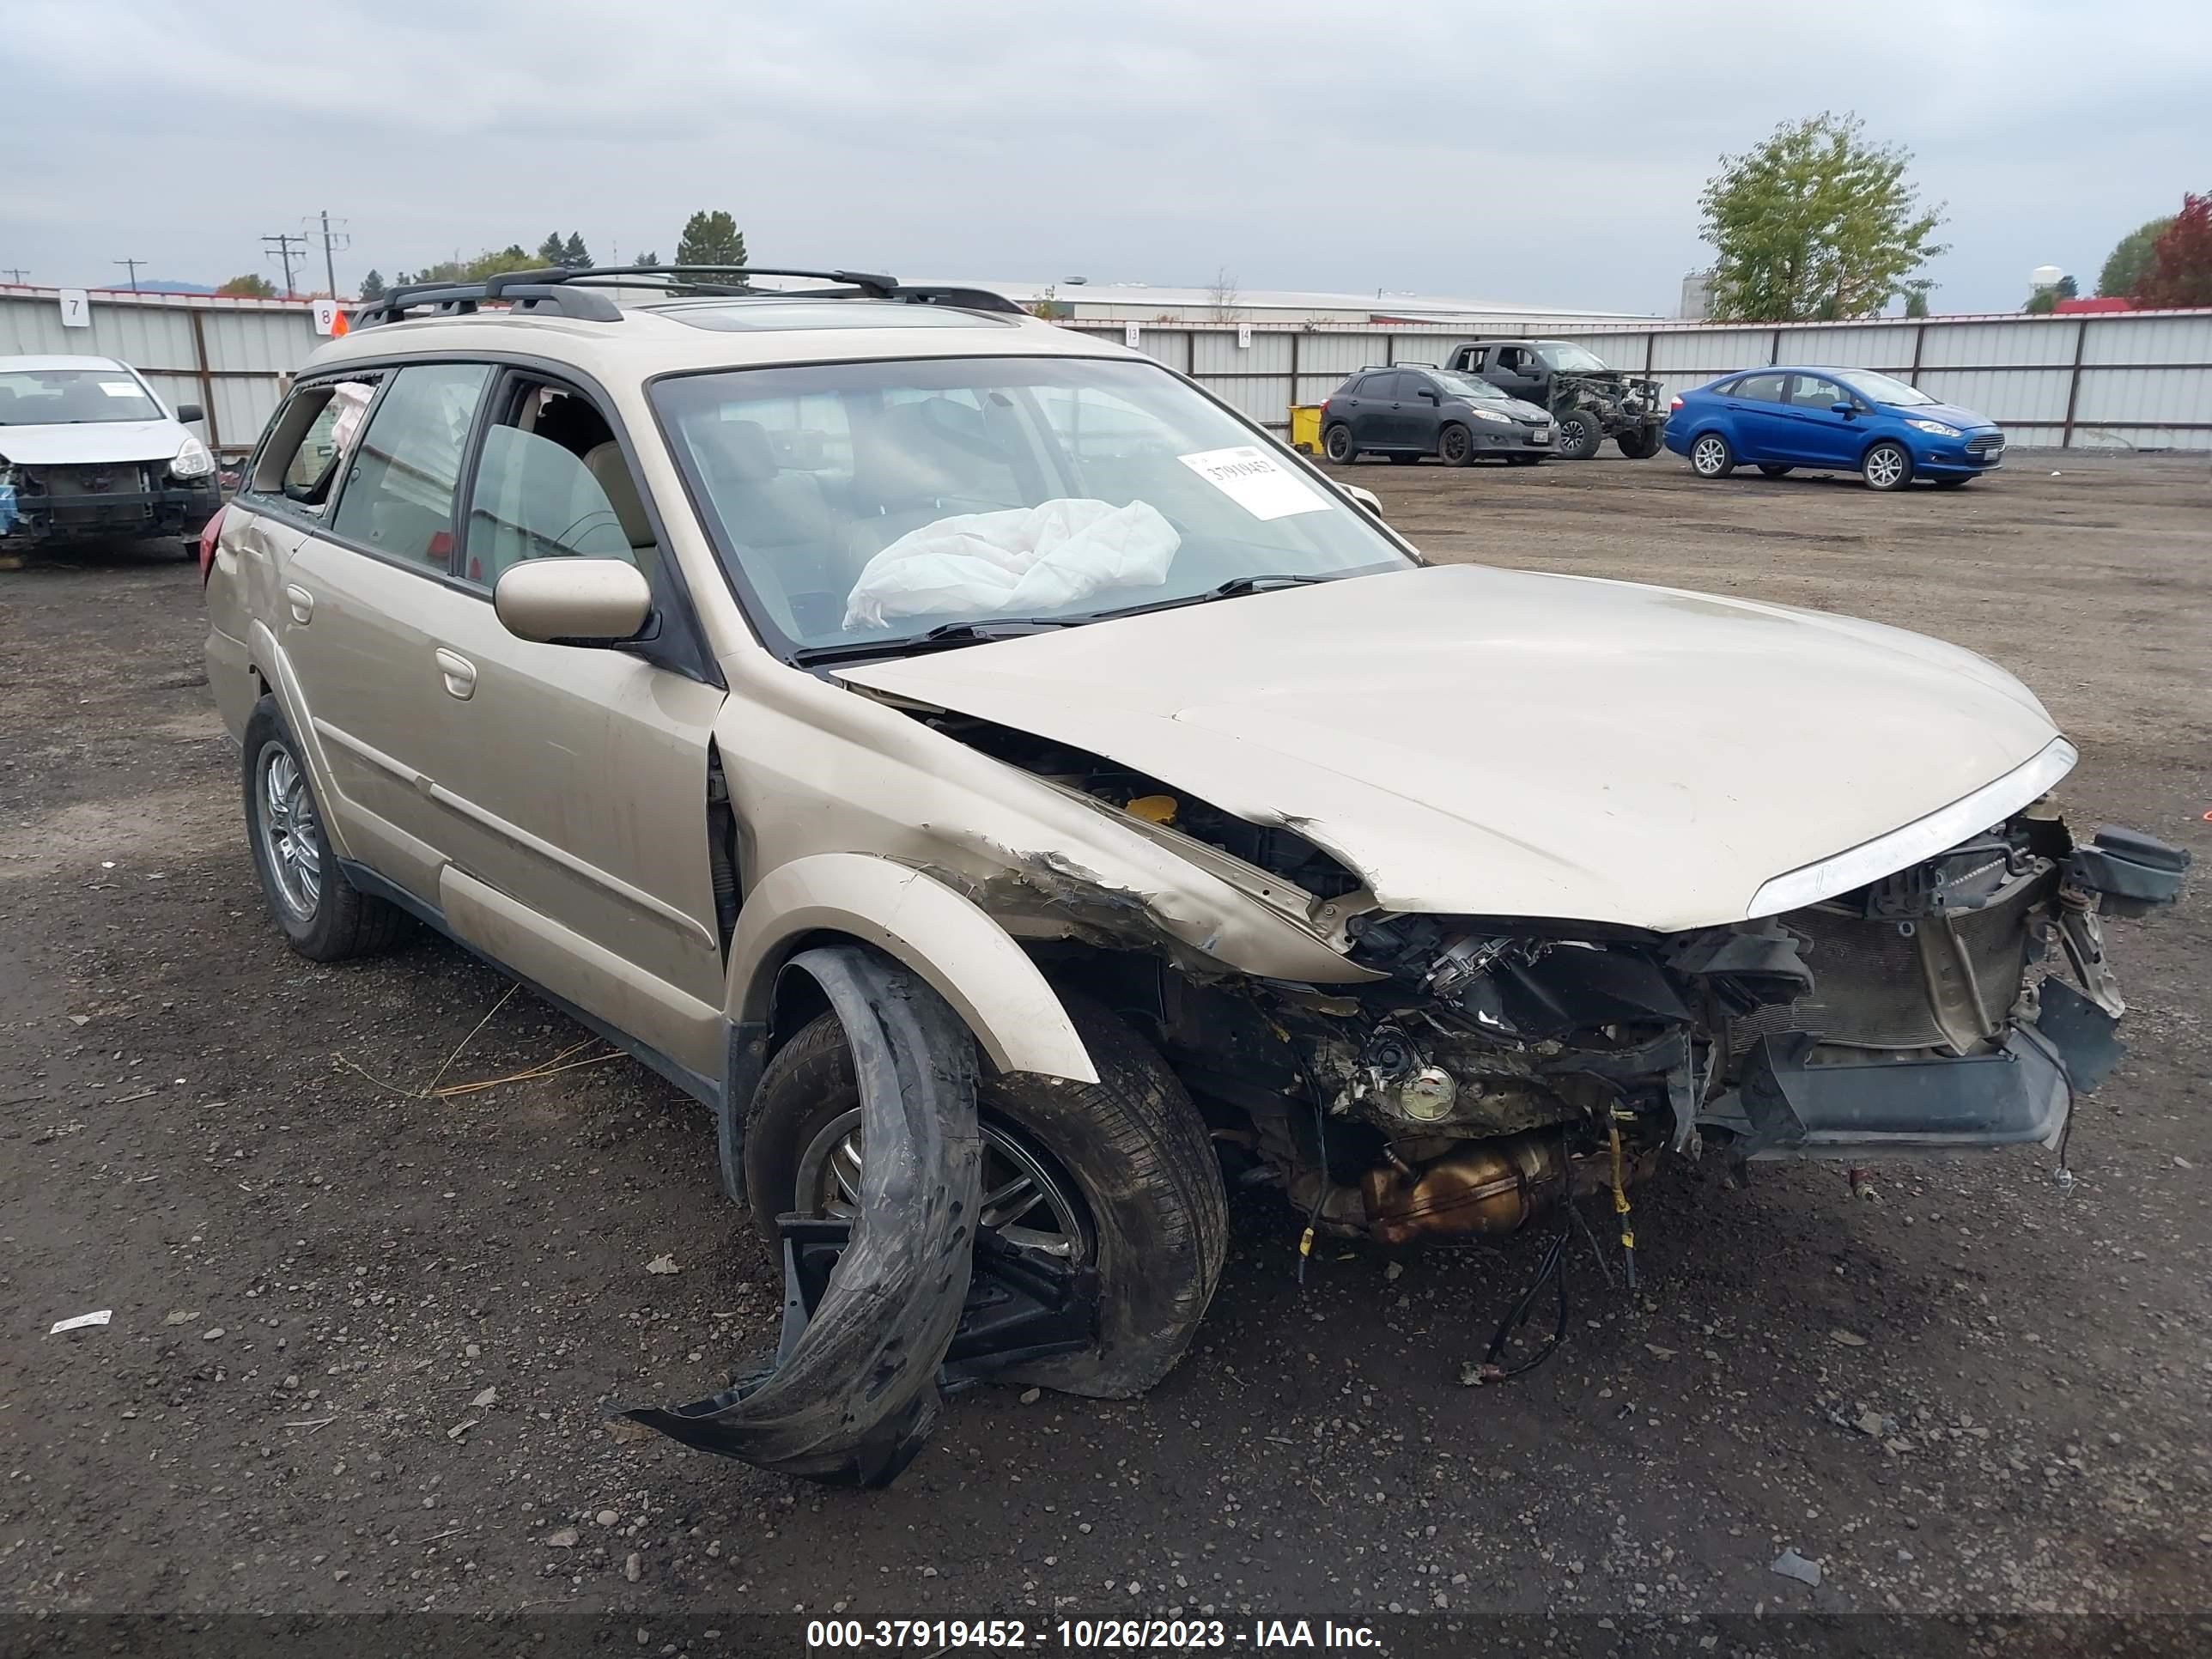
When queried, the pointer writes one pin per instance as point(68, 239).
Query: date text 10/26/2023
point(1123, 1635)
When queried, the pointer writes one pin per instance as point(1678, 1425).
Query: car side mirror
point(566, 601)
point(1845, 410)
point(1432, 396)
point(189, 414)
point(1366, 498)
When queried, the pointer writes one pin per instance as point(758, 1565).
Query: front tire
point(1581, 432)
point(1121, 1173)
point(1455, 445)
point(1711, 458)
point(1524, 460)
point(1958, 482)
point(323, 915)
point(1336, 444)
point(1887, 466)
point(1403, 458)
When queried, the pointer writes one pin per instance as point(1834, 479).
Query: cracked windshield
point(860, 504)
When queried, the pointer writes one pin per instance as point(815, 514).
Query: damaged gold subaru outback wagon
point(1005, 784)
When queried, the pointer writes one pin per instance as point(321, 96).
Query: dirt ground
point(364, 1343)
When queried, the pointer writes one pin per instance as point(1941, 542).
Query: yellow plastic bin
point(1305, 428)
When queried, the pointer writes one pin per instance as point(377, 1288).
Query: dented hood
point(91, 443)
point(1501, 743)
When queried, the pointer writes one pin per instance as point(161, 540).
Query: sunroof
point(749, 316)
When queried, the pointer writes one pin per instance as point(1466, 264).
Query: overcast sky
point(1532, 152)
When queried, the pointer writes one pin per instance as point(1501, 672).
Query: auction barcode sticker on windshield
point(1250, 477)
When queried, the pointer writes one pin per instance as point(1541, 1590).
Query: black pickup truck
point(1588, 402)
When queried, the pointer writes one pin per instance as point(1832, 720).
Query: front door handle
point(302, 604)
point(460, 674)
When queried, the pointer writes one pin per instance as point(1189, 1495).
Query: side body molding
point(942, 935)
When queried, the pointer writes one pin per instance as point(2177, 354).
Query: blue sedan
point(1833, 420)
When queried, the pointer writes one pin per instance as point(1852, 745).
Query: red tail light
point(207, 543)
point(1676, 404)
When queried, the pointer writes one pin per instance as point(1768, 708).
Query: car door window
point(308, 439)
point(1759, 388)
point(398, 496)
point(1414, 388)
point(1810, 391)
point(551, 482)
point(1513, 360)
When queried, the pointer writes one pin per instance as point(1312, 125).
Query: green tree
point(574, 255)
point(552, 250)
point(249, 288)
point(513, 257)
point(2180, 269)
point(2045, 300)
point(1915, 301)
point(1814, 222)
point(649, 260)
point(372, 286)
point(2124, 265)
point(711, 238)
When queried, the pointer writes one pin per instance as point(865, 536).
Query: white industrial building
point(1142, 302)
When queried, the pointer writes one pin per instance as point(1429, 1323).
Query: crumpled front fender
point(852, 1393)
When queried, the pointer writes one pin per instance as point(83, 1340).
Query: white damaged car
point(1013, 790)
point(89, 451)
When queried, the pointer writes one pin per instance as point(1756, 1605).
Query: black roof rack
point(570, 291)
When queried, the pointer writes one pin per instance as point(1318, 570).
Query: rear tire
point(1524, 460)
point(323, 915)
point(1403, 458)
point(1131, 1146)
point(1581, 432)
point(1710, 457)
point(1887, 466)
point(1774, 471)
point(1951, 484)
point(1336, 444)
point(1638, 443)
point(1456, 445)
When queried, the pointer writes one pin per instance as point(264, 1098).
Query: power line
point(132, 265)
point(286, 248)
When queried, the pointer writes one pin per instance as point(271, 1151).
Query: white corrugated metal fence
point(2125, 380)
point(2110, 381)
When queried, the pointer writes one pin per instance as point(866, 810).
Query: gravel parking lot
point(365, 1339)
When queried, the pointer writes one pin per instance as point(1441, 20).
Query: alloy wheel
point(1029, 1201)
point(291, 841)
point(1884, 467)
point(1709, 455)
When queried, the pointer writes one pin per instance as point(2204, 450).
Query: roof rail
point(568, 290)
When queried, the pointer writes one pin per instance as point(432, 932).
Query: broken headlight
point(192, 461)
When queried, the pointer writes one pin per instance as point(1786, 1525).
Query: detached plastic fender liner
point(941, 936)
point(852, 1393)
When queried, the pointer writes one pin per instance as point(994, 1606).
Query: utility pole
point(286, 248)
point(132, 265)
point(330, 240)
point(15, 275)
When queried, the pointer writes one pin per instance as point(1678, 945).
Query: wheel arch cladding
point(853, 1392)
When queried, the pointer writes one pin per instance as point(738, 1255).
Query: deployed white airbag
point(1018, 562)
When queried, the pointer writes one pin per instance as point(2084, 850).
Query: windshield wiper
point(1235, 588)
point(945, 633)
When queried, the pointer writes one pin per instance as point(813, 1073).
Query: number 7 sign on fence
point(77, 308)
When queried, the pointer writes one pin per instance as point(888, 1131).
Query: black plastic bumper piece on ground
point(2018, 1096)
point(1021, 1306)
point(853, 1391)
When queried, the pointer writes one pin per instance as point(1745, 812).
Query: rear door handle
point(460, 674)
point(302, 604)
